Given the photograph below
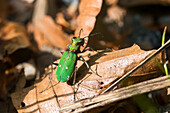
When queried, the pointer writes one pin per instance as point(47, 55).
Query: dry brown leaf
point(15, 47)
point(15, 41)
point(53, 34)
point(109, 65)
point(61, 20)
point(88, 10)
point(16, 36)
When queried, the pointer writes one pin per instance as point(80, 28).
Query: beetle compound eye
point(73, 38)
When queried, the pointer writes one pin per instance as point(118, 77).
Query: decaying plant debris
point(110, 65)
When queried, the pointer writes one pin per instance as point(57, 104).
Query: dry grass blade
point(120, 94)
point(138, 66)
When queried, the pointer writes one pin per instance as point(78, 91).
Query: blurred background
point(33, 32)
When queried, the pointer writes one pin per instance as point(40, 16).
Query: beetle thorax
point(75, 44)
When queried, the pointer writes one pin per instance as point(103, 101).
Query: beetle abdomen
point(66, 66)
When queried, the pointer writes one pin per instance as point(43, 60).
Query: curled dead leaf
point(88, 10)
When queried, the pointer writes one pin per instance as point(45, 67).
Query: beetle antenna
point(92, 35)
point(80, 31)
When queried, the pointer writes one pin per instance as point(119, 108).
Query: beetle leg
point(74, 81)
point(46, 87)
point(82, 59)
point(87, 48)
point(50, 78)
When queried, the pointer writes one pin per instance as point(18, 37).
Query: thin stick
point(119, 94)
point(138, 66)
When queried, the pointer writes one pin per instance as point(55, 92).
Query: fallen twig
point(119, 94)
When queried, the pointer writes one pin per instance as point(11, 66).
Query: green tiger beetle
point(68, 61)
point(67, 65)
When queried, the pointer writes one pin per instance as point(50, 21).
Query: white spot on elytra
point(60, 65)
point(66, 67)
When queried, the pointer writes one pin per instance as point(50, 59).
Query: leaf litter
point(109, 66)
